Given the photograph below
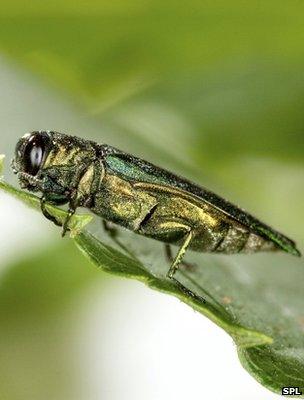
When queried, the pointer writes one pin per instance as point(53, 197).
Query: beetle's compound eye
point(34, 153)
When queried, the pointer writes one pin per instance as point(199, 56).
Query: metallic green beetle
point(135, 194)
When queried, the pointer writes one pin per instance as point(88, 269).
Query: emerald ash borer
point(139, 196)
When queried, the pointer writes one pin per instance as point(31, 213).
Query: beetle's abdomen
point(216, 233)
point(212, 231)
point(167, 215)
point(238, 239)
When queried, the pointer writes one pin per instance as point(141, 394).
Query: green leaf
point(115, 262)
point(269, 341)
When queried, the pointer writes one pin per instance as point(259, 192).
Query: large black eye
point(34, 153)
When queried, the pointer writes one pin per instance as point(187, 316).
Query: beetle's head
point(30, 155)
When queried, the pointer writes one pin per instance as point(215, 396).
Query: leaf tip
point(246, 338)
point(78, 222)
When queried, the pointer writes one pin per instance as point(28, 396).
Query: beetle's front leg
point(71, 211)
point(73, 204)
point(75, 195)
point(46, 213)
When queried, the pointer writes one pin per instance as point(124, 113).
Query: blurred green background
point(211, 89)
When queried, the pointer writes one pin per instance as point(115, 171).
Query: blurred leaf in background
point(212, 90)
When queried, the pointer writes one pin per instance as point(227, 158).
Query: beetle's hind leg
point(179, 256)
point(177, 261)
point(187, 266)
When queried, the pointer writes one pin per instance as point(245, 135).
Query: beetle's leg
point(75, 197)
point(73, 204)
point(113, 233)
point(50, 217)
point(179, 256)
point(175, 264)
point(109, 229)
point(170, 258)
point(65, 225)
point(46, 213)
